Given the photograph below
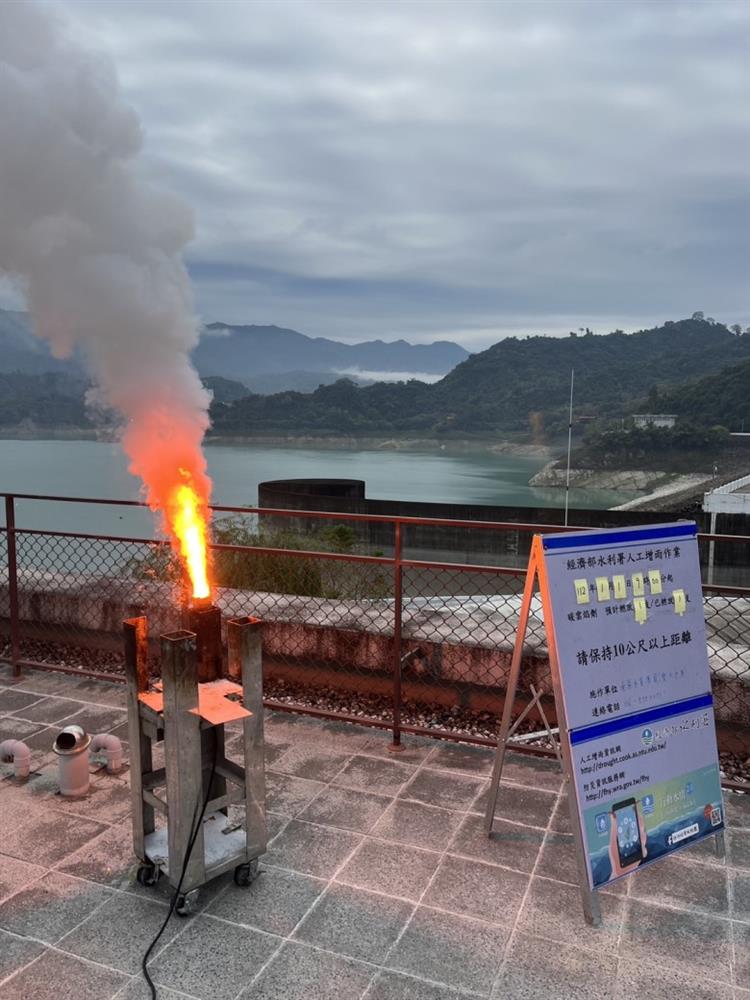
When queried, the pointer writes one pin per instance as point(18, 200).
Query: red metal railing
point(438, 584)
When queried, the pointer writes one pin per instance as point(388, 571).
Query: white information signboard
point(623, 613)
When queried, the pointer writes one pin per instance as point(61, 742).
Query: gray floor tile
point(273, 751)
point(213, 958)
point(373, 774)
point(12, 728)
point(275, 824)
point(636, 980)
point(476, 889)
point(107, 859)
point(15, 952)
point(685, 884)
point(560, 821)
point(553, 911)
point(54, 974)
point(314, 762)
point(138, 989)
point(397, 986)
point(288, 795)
point(107, 801)
point(536, 969)
point(417, 824)
point(531, 806)
point(95, 718)
point(301, 973)
point(739, 894)
point(294, 729)
point(737, 809)
point(54, 834)
point(312, 850)
point(461, 757)
point(51, 906)
point(119, 932)
point(414, 749)
point(15, 874)
point(43, 739)
point(275, 902)
point(455, 951)
point(393, 869)
point(510, 844)
point(355, 923)
point(347, 734)
point(346, 809)
point(534, 772)
point(741, 934)
point(48, 710)
point(738, 848)
point(665, 938)
point(12, 701)
point(558, 861)
point(439, 788)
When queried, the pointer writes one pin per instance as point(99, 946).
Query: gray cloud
point(450, 169)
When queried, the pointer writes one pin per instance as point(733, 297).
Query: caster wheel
point(245, 875)
point(187, 904)
point(147, 875)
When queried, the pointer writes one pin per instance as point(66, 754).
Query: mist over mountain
point(266, 359)
point(246, 351)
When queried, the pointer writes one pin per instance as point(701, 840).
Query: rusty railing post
point(397, 625)
point(15, 630)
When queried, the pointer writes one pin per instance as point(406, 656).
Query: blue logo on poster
point(647, 804)
point(602, 823)
point(647, 737)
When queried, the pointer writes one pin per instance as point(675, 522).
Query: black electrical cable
point(178, 890)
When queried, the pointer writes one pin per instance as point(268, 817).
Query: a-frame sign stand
point(623, 616)
point(536, 573)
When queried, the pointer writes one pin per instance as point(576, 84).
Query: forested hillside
point(722, 399)
point(514, 386)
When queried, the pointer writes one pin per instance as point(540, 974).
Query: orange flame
point(188, 522)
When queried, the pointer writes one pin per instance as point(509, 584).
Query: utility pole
point(570, 438)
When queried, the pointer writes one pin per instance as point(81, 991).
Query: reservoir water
point(98, 469)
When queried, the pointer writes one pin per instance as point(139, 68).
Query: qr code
point(716, 816)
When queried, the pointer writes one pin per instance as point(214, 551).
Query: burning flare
point(187, 516)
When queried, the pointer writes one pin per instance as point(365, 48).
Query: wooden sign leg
point(510, 694)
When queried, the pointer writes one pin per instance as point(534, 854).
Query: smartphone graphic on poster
point(629, 844)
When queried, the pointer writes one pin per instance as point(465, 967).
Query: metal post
point(397, 627)
point(712, 530)
point(244, 641)
point(184, 763)
point(141, 758)
point(15, 629)
point(570, 441)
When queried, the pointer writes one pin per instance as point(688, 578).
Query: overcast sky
point(447, 170)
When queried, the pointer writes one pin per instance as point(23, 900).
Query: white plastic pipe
point(17, 753)
point(112, 748)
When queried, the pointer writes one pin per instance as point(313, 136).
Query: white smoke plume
point(95, 248)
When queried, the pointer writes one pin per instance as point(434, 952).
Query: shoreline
point(544, 453)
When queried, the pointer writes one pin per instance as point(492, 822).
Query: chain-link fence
point(399, 622)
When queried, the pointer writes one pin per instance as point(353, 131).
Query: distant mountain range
point(694, 367)
point(264, 358)
point(242, 352)
point(515, 385)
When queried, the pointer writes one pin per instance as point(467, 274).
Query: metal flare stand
point(187, 711)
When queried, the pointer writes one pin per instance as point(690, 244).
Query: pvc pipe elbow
point(17, 753)
point(112, 748)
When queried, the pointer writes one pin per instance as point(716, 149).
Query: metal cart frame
point(189, 717)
